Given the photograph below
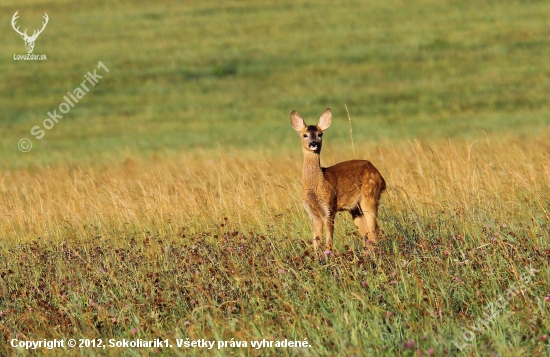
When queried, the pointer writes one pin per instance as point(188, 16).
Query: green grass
point(201, 74)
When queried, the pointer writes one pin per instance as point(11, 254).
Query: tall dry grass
point(484, 180)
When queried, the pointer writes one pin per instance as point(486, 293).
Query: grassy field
point(166, 204)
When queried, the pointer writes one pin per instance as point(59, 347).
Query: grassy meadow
point(167, 203)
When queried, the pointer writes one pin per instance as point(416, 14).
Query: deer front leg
point(329, 231)
point(317, 232)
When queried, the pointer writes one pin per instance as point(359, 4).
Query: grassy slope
point(171, 137)
point(218, 248)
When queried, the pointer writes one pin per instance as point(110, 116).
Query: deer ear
point(297, 122)
point(325, 119)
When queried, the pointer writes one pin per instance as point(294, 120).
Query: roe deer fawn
point(354, 186)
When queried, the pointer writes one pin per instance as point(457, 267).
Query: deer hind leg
point(370, 211)
point(359, 220)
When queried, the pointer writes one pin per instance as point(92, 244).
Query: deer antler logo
point(29, 40)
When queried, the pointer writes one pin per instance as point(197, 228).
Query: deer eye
point(320, 135)
point(305, 135)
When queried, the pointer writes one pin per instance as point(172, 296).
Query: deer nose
point(313, 145)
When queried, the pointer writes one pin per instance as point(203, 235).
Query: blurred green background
point(215, 75)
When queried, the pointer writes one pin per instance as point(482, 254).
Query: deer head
point(29, 40)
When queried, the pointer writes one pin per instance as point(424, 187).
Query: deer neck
point(312, 174)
